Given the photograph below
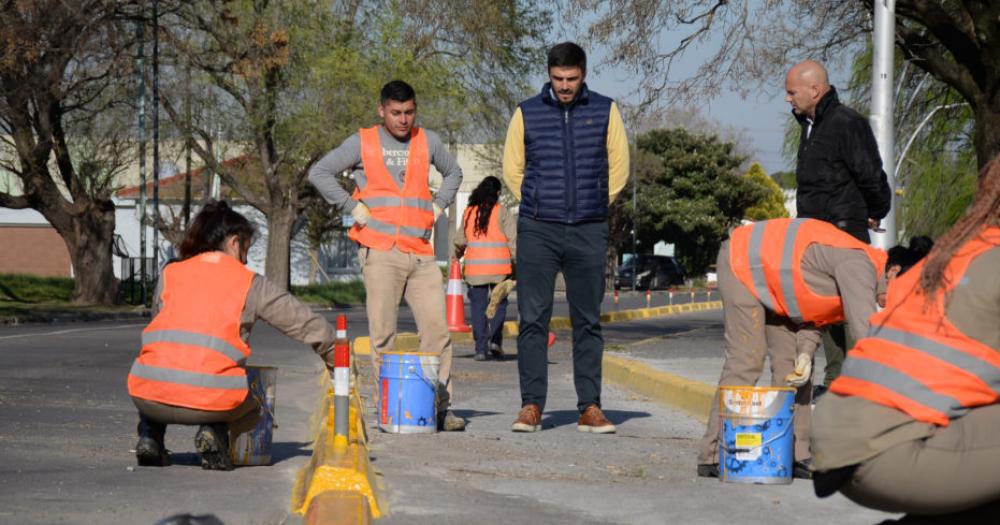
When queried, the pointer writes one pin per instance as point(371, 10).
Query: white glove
point(802, 373)
point(437, 211)
point(361, 214)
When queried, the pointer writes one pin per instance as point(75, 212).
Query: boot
point(150, 451)
point(212, 441)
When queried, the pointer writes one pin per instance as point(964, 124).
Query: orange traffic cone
point(552, 338)
point(455, 305)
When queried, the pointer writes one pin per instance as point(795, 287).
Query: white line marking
point(73, 330)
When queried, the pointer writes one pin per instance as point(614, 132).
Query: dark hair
point(907, 257)
point(212, 226)
point(399, 91)
point(567, 54)
point(483, 198)
point(984, 211)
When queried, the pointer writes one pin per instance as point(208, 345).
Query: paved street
point(68, 427)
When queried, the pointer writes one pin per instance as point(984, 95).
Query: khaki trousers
point(749, 337)
point(390, 276)
point(955, 470)
point(240, 419)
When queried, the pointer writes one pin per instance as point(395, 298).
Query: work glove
point(499, 293)
point(437, 211)
point(361, 214)
point(802, 373)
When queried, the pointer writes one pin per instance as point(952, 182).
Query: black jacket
point(839, 173)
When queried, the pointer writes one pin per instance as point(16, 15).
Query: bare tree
point(60, 95)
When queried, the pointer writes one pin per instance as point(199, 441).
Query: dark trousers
point(578, 251)
point(836, 342)
point(484, 330)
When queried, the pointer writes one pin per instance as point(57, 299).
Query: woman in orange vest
point(780, 281)
point(487, 239)
point(190, 370)
point(912, 423)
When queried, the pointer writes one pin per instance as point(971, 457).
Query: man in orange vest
point(190, 370)
point(394, 213)
point(911, 424)
point(780, 280)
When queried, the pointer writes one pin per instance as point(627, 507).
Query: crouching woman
point(191, 369)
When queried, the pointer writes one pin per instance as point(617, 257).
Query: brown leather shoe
point(529, 419)
point(593, 420)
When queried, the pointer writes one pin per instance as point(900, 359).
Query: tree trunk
point(279, 233)
point(88, 238)
point(986, 134)
point(313, 264)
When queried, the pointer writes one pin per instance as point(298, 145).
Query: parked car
point(654, 272)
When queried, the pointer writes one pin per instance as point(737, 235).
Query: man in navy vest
point(565, 159)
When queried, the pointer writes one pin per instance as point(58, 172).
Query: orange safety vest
point(766, 257)
point(401, 217)
point(915, 359)
point(192, 354)
point(487, 254)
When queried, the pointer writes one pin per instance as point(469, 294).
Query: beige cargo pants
point(390, 276)
point(749, 338)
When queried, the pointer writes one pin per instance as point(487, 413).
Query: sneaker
point(212, 442)
point(449, 422)
point(593, 420)
point(529, 419)
point(151, 453)
point(802, 469)
point(496, 351)
point(479, 357)
point(818, 392)
point(708, 470)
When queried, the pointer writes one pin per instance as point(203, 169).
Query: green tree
point(772, 205)
point(784, 179)
point(690, 193)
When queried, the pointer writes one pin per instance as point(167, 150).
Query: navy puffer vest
point(566, 157)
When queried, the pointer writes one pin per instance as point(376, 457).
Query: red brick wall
point(33, 250)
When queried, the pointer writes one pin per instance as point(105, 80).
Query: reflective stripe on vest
point(192, 352)
point(487, 253)
point(766, 257)
point(400, 217)
point(915, 359)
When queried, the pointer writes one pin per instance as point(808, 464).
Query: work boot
point(529, 419)
point(802, 469)
point(708, 470)
point(449, 422)
point(593, 420)
point(479, 357)
point(496, 351)
point(150, 450)
point(212, 442)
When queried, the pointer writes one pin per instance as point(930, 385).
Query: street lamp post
point(881, 119)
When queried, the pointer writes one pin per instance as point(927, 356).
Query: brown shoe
point(529, 419)
point(593, 420)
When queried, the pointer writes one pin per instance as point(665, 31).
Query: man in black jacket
point(839, 173)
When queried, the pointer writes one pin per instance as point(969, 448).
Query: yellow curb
point(336, 476)
point(408, 341)
point(693, 397)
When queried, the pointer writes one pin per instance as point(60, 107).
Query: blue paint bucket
point(407, 393)
point(254, 447)
point(757, 443)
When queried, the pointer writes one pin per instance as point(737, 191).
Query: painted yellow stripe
point(408, 341)
point(693, 397)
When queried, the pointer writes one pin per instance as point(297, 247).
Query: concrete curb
point(338, 486)
point(409, 341)
point(71, 317)
point(693, 397)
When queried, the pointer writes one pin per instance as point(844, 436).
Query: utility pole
point(156, 139)
point(187, 146)
point(140, 70)
point(881, 119)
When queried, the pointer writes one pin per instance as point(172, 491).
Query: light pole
point(881, 119)
point(140, 71)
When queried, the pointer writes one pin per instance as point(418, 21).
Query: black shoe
point(151, 453)
point(480, 357)
point(496, 351)
point(708, 470)
point(818, 392)
point(212, 441)
point(802, 469)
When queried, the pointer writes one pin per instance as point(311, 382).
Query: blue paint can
point(757, 443)
point(407, 393)
point(254, 447)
